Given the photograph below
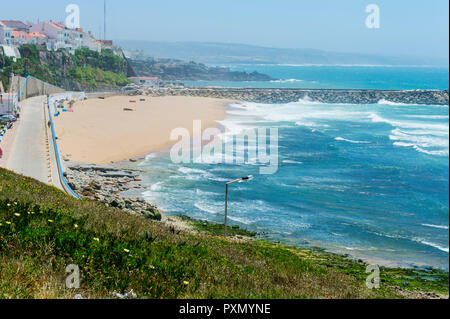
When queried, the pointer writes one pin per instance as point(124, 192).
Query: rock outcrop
point(108, 183)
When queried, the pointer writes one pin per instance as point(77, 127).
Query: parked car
point(8, 118)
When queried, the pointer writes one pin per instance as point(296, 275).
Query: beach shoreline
point(120, 128)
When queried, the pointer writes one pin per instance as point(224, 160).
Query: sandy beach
point(100, 131)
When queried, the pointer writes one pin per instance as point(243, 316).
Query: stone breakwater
point(109, 184)
point(423, 97)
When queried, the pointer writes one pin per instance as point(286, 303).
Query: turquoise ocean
point(371, 181)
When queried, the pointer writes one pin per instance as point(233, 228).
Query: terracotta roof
point(35, 35)
point(56, 25)
point(17, 34)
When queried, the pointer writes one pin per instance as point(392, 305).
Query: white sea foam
point(156, 187)
point(424, 136)
point(409, 124)
point(431, 244)
point(435, 226)
point(351, 141)
point(206, 208)
point(386, 102)
point(240, 220)
point(291, 162)
point(286, 81)
point(429, 117)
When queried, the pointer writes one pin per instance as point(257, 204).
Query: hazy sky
point(408, 27)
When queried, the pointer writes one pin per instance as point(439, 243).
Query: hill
point(84, 70)
point(229, 53)
point(170, 70)
point(42, 231)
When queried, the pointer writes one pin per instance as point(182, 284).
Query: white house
point(6, 34)
point(145, 81)
point(54, 31)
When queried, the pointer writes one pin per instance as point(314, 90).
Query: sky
point(407, 27)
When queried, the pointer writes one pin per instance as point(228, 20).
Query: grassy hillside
point(171, 70)
point(42, 230)
point(83, 70)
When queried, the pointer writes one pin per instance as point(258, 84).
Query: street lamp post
point(246, 178)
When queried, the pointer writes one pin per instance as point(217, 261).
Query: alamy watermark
point(257, 146)
point(373, 19)
point(373, 279)
point(73, 279)
point(73, 16)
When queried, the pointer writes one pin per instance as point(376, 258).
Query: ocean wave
point(201, 192)
point(240, 220)
point(291, 162)
point(351, 141)
point(417, 240)
point(408, 124)
point(386, 102)
point(422, 150)
point(431, 145)
point(199, 174)
point(187, 170)
point(435, 226)
point(205, 208)
point(286, 81)
point(429, 117)
point(156, 187)
point(420, 140)
point(431, 244)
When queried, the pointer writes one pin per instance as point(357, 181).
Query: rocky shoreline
point(110, 184)
point(423, 97)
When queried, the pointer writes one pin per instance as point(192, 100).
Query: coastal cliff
point(177, 70)
point(423, 97)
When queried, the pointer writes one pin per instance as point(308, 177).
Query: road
point(29, 155)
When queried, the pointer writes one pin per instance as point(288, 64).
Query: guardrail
point(64, 183)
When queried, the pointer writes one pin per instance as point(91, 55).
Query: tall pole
point(104, 20)
point(226, 211)
point(246, 178)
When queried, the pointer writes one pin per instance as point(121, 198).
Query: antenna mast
point(104, 20)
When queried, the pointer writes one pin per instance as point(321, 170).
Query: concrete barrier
point(30, 87)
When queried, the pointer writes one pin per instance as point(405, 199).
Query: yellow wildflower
point(50, 221)
point(126, 250)
point(17, 214)
point(96, 239)
point(76, 226)
point(186, 283)
point(9, 223)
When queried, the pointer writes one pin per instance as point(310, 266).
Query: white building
point(61, 37)
point(145, 81)
point(6, 34)
point(54, 31)
point(13, 32)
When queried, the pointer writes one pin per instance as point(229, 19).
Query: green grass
point(43, 230)
point(90, 69)
point(216, 229)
